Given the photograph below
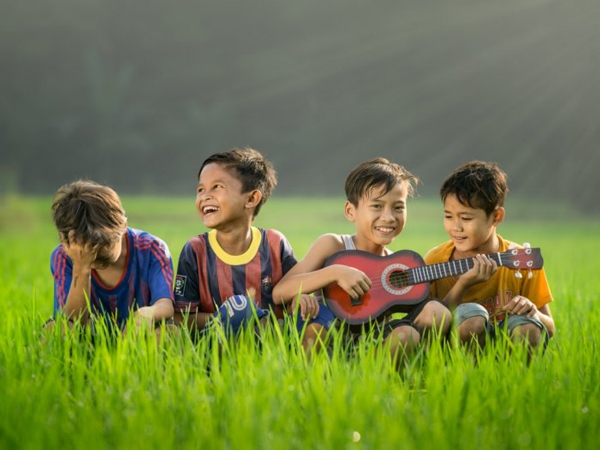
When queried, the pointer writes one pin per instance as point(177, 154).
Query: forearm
point(162, 309)
point(455, 295)
point(546, 318)
point(292, 285)
point(194, 320)
point(76, 306)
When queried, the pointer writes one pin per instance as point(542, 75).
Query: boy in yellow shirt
point(487, 297)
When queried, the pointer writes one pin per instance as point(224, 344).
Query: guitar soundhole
point(399, 279)
point(395, 280)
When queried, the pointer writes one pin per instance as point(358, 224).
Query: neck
point(236, 241)
point(369, 247)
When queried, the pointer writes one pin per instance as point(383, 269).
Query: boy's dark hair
point(375, 173)
point(477, 184)
point(250, 167)
point(92, 211)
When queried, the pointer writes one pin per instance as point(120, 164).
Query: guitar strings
point(422, 274)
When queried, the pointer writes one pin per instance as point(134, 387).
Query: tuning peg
point(518, 274)
point(529, 274)
point(526, 245)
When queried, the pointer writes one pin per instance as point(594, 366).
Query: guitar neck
point(449, 269)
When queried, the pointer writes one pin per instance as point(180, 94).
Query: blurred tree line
point(136, 93)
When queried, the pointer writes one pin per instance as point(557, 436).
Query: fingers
point(484, 267)
point(309, 307)
point(354, 282)
point(520, 306)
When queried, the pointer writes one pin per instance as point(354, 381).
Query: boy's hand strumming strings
point(353, 281)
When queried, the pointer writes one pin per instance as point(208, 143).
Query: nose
point(388, 215)
point(204, 195)
point(457, 225)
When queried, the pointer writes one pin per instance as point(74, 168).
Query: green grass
point(137, 393)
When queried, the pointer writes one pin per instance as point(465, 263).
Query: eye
point(376, 206)
point(400, 208)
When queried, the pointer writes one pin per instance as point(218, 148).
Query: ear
point(350, 211)
point(499, 216)
point(254, 198)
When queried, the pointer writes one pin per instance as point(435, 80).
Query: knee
point(313, 333)
point(405, 337)
point(529, 333)
point(434, 316)
point(473, 327)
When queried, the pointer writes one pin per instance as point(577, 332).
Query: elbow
point(277, 298)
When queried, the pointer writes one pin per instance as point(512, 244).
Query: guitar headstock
point(522, 258)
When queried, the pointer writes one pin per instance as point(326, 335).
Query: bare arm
point(195, 321)
point(161, 309)
point(309, 274)
point(82, 257)
point(520, 305)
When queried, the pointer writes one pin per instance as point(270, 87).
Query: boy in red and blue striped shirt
point(118, 269)
point(236, 258)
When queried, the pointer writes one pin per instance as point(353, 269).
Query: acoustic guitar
point(401, 280)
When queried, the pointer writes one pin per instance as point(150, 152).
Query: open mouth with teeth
point(208, 210)
point(385, 230)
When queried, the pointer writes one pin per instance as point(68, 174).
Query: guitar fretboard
point(433, 272)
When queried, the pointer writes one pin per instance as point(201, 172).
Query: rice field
point(136, 392)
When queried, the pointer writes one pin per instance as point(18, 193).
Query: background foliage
point(136, 93)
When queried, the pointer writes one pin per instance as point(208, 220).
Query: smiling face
point(379, 218)
point(220, 201)
point(471, 230)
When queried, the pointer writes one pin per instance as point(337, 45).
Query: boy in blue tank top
point(377, 192)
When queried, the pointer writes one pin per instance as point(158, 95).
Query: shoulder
point(58, 252)
point(273, 234)
point(59, 258)
point(195, 245)
point(142, 238)
point(440, 253)
point(505, 244)
point(275, 239)
point(143, 241)
point(325, 246)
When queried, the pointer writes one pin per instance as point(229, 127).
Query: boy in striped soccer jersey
point(118, 269)
point(234, 258)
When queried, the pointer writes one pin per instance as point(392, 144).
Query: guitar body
point(389, 292)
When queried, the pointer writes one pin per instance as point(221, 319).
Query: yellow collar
point(236, 260)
